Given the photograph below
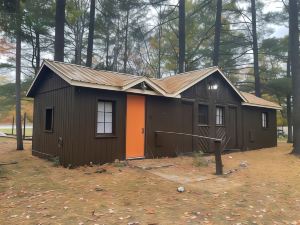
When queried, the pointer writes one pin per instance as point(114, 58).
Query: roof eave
point(261, 106)
point(234, 88)
point(58, 72)
point(216, 69)
point(28, 93)
point(148, 82)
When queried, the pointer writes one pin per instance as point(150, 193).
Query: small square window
point(219, 115)
point(105, 118)
point(49, 119)
point(264, 120)
point(203, 114)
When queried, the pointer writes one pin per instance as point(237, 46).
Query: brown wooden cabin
point(83, 115)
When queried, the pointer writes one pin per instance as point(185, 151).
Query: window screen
point(105, 117)
point(264, 120)
point(220, 116)
point(49, 119)
point(203, 114)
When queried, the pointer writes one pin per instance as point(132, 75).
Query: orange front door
point(135, 126)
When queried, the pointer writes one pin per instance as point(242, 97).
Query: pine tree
point(89, 55)
point(181, 35)
point(255, 50)
point(295, 69)
point(218, 26)
point(18, 76)
point(59, 42)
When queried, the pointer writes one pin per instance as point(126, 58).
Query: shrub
point(199, 159)
point(55, 161)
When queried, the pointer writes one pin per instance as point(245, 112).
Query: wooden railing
point(217, 147)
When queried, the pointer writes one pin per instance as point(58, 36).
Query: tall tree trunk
point(218, 27)
point(76, 54)
point(181, 56)
point(159, 44)
point(38, 52)
point(59, 30)
point(289, 104)
point(116, 48)
point(107, 39)
point(295, 70)
point(89, 56)
point(18, 79)
point(255, 50)
point(126, 42)
point(159, 52)
point(78, 43)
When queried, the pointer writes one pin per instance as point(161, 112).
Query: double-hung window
point(105, 117)
point(219, 115)
point(264, 120)
point(203, 114)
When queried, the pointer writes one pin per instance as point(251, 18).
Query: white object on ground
point(180, 189)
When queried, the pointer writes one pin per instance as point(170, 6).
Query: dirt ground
point(267, 191)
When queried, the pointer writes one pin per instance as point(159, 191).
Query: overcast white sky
point(270, 6)
point(276, 6)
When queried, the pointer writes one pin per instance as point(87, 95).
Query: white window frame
point(264, 120)
point(105, 117)
point(220, 117)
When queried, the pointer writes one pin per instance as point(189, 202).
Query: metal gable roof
point(172, 86)
point(252, 100)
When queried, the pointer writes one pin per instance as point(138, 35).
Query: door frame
point(191, 103)
point(144, 151)
point(236, 123)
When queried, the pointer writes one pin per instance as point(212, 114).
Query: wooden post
point(218, 158)
point(24, 126)
point(13, 125)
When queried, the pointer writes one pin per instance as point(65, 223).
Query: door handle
point(143, 130)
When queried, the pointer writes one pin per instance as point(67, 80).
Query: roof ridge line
point(192, 71)
point(86, 67)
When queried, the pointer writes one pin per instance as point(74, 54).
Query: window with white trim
point(219, 115)
point(264, 120)
point(105, 117)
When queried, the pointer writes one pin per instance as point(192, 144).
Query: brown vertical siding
point(255, 136)
point(88, 147)
point(226, 97)
point(166, 114)
point(75, 122)
point(56, 93)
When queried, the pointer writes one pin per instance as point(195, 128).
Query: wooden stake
point(24, 126)
point(13, 125)
point(218, 158)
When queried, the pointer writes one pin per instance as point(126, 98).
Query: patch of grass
point(282, 138)
point(2, 171)
point(200, 160)
point(3, 174)
point(118, 163)
point(5, 139)
point(55, 161)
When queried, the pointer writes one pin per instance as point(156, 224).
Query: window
point(49, 119)
point(220, 116)
point(213, 86)
point(264, 120)
point(203, 114)
point(105, 117)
